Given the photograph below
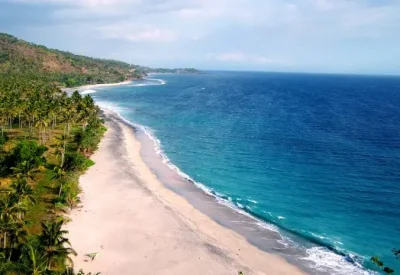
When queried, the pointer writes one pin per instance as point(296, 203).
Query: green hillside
point(20, 57)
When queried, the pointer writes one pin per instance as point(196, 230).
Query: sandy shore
point(103, 85)
point(93, 86)
point(140, 227)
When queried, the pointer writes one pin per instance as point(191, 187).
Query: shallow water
point(313, 157)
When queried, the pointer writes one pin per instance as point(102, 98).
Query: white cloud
point(155, 34)
point(88, 3)
point(241, 57)
point(262, 60)
point(266, 32)
point(324, 4)
point(195, 13)
point(136, 33)
point(231, 57)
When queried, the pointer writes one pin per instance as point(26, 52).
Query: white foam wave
point(150, 82)
point(253, 201)
point(162, 82)
point(140, 85)
point(270, 227)
point(285, 241)
point(327, 261)
point(86, 92)
point(110, 106)
point(318, 236)
point(156, 81)
point(281, 218)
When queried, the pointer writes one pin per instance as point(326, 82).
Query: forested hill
point(20, 57)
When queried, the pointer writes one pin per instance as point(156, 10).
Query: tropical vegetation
point(66, 69)
point(46, 139)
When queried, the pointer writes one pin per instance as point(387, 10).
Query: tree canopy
point(46, 139)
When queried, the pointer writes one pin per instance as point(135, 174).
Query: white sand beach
point(93, 86)
point(137, 226)
point(85, 87)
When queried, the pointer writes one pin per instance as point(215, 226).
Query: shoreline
point(92, 86)
point(136, 223)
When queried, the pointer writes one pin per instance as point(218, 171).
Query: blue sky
point(343, 36)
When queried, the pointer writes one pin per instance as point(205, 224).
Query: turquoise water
point(316, 155)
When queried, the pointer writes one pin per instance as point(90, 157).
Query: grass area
point(43, 183)
point(44, 207)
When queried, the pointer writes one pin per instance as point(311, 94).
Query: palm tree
point(56, 247)
point(10, 212)
point(34, 262)
point(19, 109)
point(87, 110)
point(11, 110)
point(6, 228)
point(19, 195)
point(42, 124)
point(22, 191)
point(53, 113)
point(61, 148)
point(69, 117)
point(25, 169)
point(31, 112)
point(59, 175)
point(8, 215)
point(17, 236)
point(3, 120)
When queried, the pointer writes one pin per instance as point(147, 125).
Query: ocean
point(308, 163)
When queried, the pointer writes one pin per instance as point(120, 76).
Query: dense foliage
point(46, 138)
point(67, 69)
point(147, 70)
point(25, 157)
point(3, 139)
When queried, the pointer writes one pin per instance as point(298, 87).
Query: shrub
point(69, 196)
point(76, 162)
point(3, 138)
point(3, 168)
point(89, 138)
point(26, 153)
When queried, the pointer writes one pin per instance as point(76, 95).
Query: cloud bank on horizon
point(348, 36)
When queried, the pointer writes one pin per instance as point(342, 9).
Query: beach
point(135, 225)
point(92, 86)
point(103, 85)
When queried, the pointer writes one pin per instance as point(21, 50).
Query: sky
point(327, 36)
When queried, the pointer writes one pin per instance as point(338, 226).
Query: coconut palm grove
point(45, 140)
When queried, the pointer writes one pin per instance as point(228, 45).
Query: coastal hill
point(21, 57)
point(147, 70)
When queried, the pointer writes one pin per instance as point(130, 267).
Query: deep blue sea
point(316, 155)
